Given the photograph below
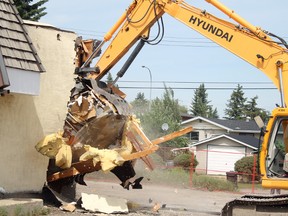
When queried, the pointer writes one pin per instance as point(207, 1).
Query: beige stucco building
point(26, 118)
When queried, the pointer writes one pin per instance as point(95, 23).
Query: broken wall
point(27, 119)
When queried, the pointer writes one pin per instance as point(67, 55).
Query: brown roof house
point(33, 103)
point(219, 143)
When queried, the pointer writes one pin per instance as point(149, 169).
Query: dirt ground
point(174, 200)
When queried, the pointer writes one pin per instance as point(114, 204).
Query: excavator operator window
point(277, 149)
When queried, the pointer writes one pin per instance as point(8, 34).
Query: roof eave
point(221, 136)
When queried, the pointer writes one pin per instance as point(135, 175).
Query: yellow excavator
point(90, 134)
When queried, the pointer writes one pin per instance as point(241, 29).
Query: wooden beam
point(76, 168)
point(171, 136)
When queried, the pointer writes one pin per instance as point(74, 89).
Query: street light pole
point(150, 74)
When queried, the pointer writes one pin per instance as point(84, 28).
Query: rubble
point(156, 207)
point(70, 207)
point(103, 204)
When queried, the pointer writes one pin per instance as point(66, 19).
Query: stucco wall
point(26, 119)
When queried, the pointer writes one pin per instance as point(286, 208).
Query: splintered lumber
point(171, 136)
point(142, 151)
point(150, 146)
point(76, 168)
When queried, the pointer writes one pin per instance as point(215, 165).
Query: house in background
point(36, 104)
point(219, 143)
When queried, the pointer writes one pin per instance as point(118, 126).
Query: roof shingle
point(15, 45)
point(237, 124)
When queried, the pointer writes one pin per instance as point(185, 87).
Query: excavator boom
point(266, 54)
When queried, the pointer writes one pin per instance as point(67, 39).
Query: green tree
point(164, 110)
point(251, 109)
point(236, 105)
point(212, 113)
point(200, 104)
point(109, 79)
point(140, 105)
point(30, 11)
point(239, 108)
point(183, 109)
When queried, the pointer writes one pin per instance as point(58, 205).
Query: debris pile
point(105, 204)
point(98, 129)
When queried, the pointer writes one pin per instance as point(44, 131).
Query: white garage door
point(221, 159)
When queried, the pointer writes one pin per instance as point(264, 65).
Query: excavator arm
point(248, 42)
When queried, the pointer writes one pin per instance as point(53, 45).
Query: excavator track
point(251, 205)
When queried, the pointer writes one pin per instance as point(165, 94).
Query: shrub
point(245, 167)
point(184, 160)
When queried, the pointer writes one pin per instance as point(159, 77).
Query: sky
point(184, 59)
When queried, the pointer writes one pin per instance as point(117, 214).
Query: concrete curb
point(20, 206)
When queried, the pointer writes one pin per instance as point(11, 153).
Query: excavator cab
point(274, 167)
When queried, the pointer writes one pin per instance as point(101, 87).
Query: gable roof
point(248, 141)
point(230, 125)
point(16, 48)
point(238, 124)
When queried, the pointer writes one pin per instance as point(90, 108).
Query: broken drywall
point(104, 204)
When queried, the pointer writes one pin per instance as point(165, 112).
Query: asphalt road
point(173, 200)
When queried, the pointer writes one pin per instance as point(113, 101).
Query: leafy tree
point(239, 108)
point(200, 104)
point(140, 105)
point(251, 109)
point(30, 11)
point(236, 105)
point(212, 113)
point(183, 109)
point(164, 110)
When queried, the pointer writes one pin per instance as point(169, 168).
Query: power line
point(102, 33)
point(196, 42)
point(243, 83)
point(193, 88)
point(195, 82)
